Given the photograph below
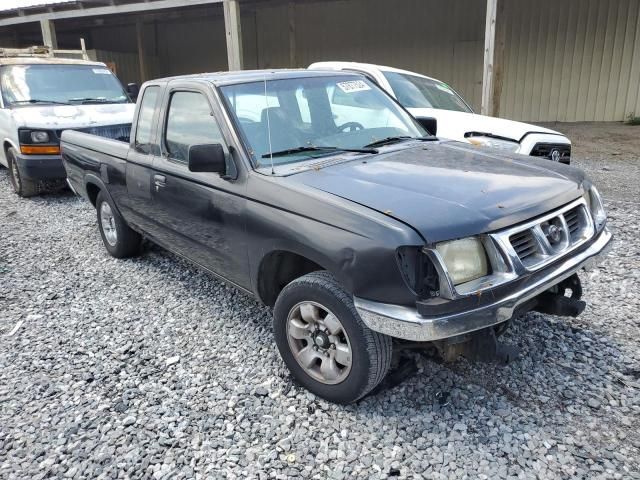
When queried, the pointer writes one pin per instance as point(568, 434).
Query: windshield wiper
point(397, 139)
point(292, 151)
point(36, 100)
point(94, 100)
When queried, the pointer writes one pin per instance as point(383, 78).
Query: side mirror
point(133, 90)
point(207, 158)
point(430, 124)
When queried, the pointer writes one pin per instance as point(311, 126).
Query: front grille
point(114, 132)
point(547, 150)
point(541, 241)
point(573, 220)
point(524, 243)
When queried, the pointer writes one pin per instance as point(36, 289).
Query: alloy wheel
point(319, 342)
point(108, 223)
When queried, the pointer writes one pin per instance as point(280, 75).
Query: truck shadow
point(568, 377)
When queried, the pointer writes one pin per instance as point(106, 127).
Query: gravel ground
point(150, 368)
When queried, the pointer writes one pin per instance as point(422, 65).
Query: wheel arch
point(278, 268)
point(6, 145)
point(93, 186)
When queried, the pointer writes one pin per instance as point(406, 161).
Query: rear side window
point(190, 122)
point(145, 119)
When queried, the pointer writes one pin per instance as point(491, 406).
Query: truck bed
point(84, 153)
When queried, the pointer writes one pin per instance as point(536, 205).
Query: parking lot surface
point(151, 368)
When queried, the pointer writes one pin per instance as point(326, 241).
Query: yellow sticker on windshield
point(353, 86)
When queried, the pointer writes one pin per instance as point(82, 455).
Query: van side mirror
point(133, 90)
point(207, 158)
point(430, 124)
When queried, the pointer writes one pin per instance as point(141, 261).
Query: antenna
point(266, 100)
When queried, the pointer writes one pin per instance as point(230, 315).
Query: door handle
point(159, 181)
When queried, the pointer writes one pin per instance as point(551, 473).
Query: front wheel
point(118, 238)
point(325, 344)
point(22, 186)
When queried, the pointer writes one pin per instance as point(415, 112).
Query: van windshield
point(59, 84)
point(300, 116)
point(413, 91)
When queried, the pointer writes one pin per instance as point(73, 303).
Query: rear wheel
point(22, 186)
point(118, 238)
point(324, 342)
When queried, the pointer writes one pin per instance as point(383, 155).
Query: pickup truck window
point(60, 83)
point(413, 91)
point(145, 119)
point(307, 114)
point(189, 122)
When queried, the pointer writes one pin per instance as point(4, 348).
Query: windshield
point(419, 92)
point(342, 112)
point(73, 84)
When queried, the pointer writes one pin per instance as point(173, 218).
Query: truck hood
point(73, 116)
point(454, 125)
point(449, 190)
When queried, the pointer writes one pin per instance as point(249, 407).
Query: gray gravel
point(150, 368)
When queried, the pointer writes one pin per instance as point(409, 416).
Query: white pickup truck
point(40, 97)
point(427, 97)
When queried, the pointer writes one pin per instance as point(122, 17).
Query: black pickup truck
point(320, 195)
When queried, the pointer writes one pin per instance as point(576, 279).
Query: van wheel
point(324, 342)
point(23, 186)
point(119, 240)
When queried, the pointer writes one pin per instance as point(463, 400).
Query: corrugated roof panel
point(6, 5)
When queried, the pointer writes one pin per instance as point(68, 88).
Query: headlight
point(38, 136)
point(504, 145)
point(465, 259)
point(594, 201)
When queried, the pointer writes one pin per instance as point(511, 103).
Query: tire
point(369, 357)
point(22, 186)
point(119, 240)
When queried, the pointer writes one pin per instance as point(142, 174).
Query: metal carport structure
point(574, 60)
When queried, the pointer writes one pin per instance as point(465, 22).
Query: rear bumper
point(406, 323)
point(41, 167)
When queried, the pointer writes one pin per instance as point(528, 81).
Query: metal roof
point(20, 4)
point(23, 11)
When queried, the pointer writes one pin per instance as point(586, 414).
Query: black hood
point(448, 190)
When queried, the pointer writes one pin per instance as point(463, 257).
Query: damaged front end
point(483, 345)
point(461, 309)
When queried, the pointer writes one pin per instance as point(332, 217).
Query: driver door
point(201, 214)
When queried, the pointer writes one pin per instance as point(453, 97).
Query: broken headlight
point(465, 259)
point(418, 272)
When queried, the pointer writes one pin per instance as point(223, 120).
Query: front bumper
point(406, 323)
point(41, 167)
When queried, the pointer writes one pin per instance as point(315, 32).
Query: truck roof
point(247, 76)
point(365, 67)
point(46, 61)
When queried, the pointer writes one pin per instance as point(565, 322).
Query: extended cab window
point(190, 122)
point(145, 119)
